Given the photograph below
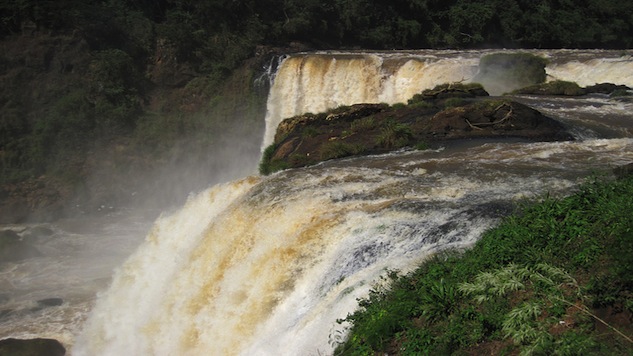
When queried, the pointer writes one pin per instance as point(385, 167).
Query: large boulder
point(557, 87)
point(31, 347)
point(565, 88)
point(494, 118)
point(376, 128)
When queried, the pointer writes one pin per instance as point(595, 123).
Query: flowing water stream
point(266, 265)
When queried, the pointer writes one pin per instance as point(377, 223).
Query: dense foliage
point(203, 29)
point(554, 279)
point(103, 70)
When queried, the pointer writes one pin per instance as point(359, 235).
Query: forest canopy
point(382, 24)
point(82, 75)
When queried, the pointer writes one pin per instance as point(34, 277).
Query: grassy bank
point(556, 278)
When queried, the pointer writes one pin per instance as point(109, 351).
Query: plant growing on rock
point(394, 135)
point(553, 294)
point(557, 87)
point(339, 149)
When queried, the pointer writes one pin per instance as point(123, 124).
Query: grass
point(557, 87)
point(533, 285)
point(269, 165)
point(339, 149)
point(394, 135)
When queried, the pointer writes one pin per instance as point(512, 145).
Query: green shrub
point(453, 102)
point(339, 149)
point(309, 131)
point(363, 124)
point(267, 165)
point(620, 93)
point(394, 135)
point(557, 87)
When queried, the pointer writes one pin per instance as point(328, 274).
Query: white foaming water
point(318, 82)
point(617, 70)
point(265, 266)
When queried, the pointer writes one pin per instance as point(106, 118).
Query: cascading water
point(266, 265)
point(316, 82)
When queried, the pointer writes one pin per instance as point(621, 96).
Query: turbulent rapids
point(266, 265)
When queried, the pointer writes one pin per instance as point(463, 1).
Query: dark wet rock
point(558, 87)
point(498, 118)
point(338, 115)
point(429, 118)
point(50, 302)
point(453, 90)
point(605, 88)
point(31, 347)
point(13, 249)
point(565, 88)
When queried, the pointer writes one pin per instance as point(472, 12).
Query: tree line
point(380, 24)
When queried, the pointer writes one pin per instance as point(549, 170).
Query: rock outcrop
point(32, 347)
point(447, 112)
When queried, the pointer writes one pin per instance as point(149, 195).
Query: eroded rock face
point(32, 347)
point(343, 114)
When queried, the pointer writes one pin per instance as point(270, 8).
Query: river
point(266, 265)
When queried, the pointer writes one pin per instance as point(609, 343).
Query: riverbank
point(553, 278)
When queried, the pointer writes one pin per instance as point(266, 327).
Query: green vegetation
point(363, 124)
point(82, 76)
point(339, 149)
point(215, 33)
point(621, 93)
point(394, 135)
point(269, 165)
point(557, 87)
point(539, 283)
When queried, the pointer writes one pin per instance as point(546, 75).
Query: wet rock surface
point(449, 112)
point(31, 347)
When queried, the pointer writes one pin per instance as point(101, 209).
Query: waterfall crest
point(317, 82)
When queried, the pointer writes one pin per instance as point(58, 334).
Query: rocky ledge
point(447, 112)
point(31, 347)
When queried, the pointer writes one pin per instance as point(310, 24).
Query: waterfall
point(322, 81)
point(317, 82)
point(266, 265)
